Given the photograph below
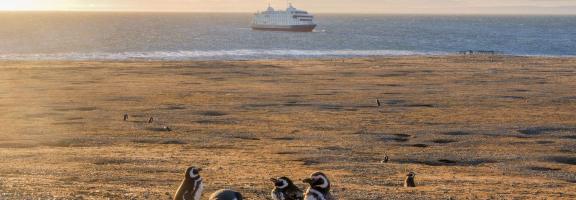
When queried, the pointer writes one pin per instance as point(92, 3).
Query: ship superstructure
point(291, 19)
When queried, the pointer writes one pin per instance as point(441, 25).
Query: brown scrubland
point(470, 127)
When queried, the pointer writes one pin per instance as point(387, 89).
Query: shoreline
point(191, 56)
point(473, 58)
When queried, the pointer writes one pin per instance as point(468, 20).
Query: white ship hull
point(291, 19)
point(292, 28)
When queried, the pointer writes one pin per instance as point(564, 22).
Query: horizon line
point(242, 12)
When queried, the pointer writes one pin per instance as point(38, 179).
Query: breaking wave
point(243, 54)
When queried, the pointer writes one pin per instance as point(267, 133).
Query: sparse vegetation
point(466, 132)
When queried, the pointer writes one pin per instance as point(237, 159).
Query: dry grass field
point(469, 127)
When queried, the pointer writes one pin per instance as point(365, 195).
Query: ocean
point(194, 36)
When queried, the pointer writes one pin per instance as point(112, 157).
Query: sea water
point(195, 36)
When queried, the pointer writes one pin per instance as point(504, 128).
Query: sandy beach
point(470, 127)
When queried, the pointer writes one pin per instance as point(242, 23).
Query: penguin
point(284, 189)
point(166, 128)
point(386, 158)
point(378, 102)
point(319, 188)
point(409, 182)
point(151, 120)
point(226, 194)
point(191, 187)
point(126, 117)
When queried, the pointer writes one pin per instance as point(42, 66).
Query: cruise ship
point(278, 20)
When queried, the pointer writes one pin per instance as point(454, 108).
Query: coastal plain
point(470, 127)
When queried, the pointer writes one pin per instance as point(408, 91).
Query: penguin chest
point(312, 194)
point(199, 190)
point(278, 195)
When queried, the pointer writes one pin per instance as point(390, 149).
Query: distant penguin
point(191, 187)
point(226, 195)
point(319, 188)
point(126, 117)
point(284, 189)
point(378, 102)
point(409, 182)
point(151, 120)
point(166, 128)
point(386, 158)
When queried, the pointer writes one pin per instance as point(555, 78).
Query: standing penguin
point(191, 187)
point(284, 189)
point(319, 188)
point(409, 182)
point(226, 195)
point(386, 158)
point(125, 116)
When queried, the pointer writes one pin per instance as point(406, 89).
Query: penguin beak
point(199, 169)
point(274, 180)
point(308, 180)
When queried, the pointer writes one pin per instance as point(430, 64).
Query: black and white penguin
point(191, 187)
point(284, 189)
point(386, 158)
point(151, 120)
point(409, 182)
point(226, 194)
point(319, 188)
point(378, 102)
point(126, 117)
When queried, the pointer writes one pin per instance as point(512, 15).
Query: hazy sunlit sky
point(315, 6)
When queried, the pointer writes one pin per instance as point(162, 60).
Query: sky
point(314, 6)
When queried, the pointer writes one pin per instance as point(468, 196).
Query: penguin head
point(192, 173)
point(411, 175)
point(318, 180)
point(281, 182)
